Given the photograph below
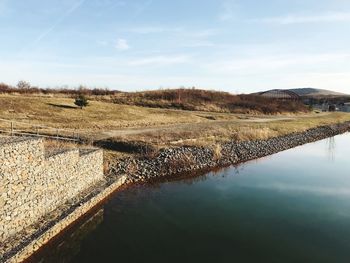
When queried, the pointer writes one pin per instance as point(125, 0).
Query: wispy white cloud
point(146, 30)
point(4, 7)
point(109, 3)
point(60, 19)
point(205, 33)
point(140, 8)
point(302, 19)
point(228, 10)
point(122, 44)
point(102, 42)
point(106, 71)
point(262, 64)
point(160, 60)
point(305, 189)
point(74, 7)
point(198, 43)
point(153, 29)
point(337, 79)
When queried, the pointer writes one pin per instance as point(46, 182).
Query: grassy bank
point(238, 129)
point(61, 112)
point(120, 124)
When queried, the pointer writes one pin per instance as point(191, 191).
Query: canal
point(293, 206)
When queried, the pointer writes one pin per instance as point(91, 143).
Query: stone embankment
point(175, 161)
point(33, 183)
point(42, 193)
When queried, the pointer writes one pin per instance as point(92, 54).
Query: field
point(60, 112)
point(206, 100)
point(104, 121)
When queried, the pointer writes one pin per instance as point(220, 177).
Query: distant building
point(332, 107)
point(345, 107)
point(280, 94)
point(327, 106)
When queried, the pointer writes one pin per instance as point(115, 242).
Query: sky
point(239, 46)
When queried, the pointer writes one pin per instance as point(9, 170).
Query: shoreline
point(170, 163)
point(24, 246)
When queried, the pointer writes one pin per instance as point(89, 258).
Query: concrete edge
point(58, 227)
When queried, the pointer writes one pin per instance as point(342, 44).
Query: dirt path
point(188, 126)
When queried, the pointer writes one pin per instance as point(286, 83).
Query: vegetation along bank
point(185, 159)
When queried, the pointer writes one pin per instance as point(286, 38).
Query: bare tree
point(23, 85)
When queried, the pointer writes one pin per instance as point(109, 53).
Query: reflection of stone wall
point(32, 184)
point(68, 246)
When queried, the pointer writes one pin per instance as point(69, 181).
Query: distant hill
point(312, 92)
point(206, 100)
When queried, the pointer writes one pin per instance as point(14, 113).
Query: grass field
point(219, 131)
point(159, 127)
point(61, 112)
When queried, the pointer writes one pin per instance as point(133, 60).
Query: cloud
point(272, 63)
point(199, 43)
point(146, 30)
point(109, 3)
point(204, 33)
point(304, 189)
point(303, 19)
point(119, 73)
point(152, 30)
point(73, 8)
point(4, 4)
point(102, 42)
point(228, 12)
point(3, 7)
point(140, 8)
point(60, 19)
point(122, 44)
point(160, 60)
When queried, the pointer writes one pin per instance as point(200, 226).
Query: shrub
point(81, 101)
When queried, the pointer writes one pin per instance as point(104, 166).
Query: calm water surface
point(290, 207)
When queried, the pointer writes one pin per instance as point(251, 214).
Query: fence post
point(11, 128)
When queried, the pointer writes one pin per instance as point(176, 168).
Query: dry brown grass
point(52, 145)
point(204, 134)
point(166, 127)
point(60, 112)
point(206, 100)
point(217, 151)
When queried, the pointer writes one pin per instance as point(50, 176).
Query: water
point(290, 207)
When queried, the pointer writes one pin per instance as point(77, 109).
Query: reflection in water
point(331, 148)
point(293, 206)
point(302, 189)
point(68, 246)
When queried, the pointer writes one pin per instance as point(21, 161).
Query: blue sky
point(232, 45)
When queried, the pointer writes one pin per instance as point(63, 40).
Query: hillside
point(116, 124)
point(204, 100)
point(184, 99)
point(312, 92)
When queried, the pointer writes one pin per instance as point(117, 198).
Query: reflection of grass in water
point(331, 146)
point(68, 246)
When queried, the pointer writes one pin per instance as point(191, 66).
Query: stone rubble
point(176, 161)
